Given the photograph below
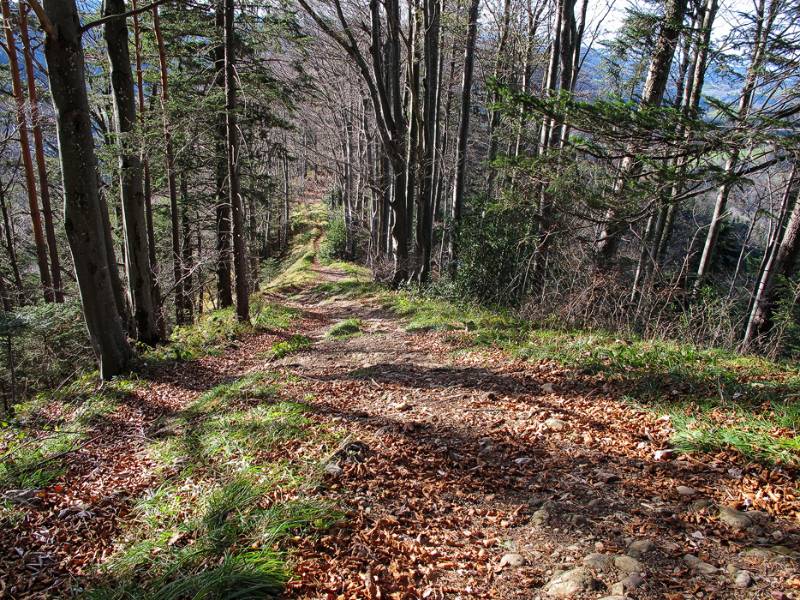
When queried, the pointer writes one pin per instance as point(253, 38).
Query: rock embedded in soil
point(639, 547)
point(743, 579)
point(597, 561)
point(631, 582)
point(570, 583)
point(685, 491)
point(541, 516)
point(735, 519)
point(699, 566)
point(628, 564)
point(699, 505)
point(554, 424)
point(333, 469)
point(512, 560)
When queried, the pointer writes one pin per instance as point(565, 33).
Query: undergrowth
point(220, 524)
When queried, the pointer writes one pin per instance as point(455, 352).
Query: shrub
point(334, 246)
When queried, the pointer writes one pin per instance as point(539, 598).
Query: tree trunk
point(83, 217)
point(169, 155)
point(147, 187)
point(186, 252)
point(762, 32)
point(652, 95)
point(134, 224)
point(781, 263)
point(223, 207)
point(459, 177)
point(41, 166)
point(430, 134)
point(25, 152)
point(497, 74)
point(232, 137)
point(285, 217)
point(9, 239)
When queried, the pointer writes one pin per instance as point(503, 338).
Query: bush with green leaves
point(334, 246)
point(493, 251)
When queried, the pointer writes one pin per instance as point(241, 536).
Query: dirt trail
point(474, 475)
point(463, 475)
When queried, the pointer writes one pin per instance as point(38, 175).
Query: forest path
point(470, 474)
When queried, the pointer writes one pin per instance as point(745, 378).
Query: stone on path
point(333, 469)
point(743, 579)
point(554, 424)
point(569, 583)
point(698, 565)
point(639, 547)
point(598, 562)
point(734, 518)
point(541, 516)
point(631, 582)
point(628, 564)
point(512, 559)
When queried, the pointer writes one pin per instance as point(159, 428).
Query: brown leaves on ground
point(453, 462)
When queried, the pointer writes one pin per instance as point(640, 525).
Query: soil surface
point(465, 474)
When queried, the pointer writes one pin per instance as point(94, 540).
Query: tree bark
point(134, 224)
point(781, 264)
point(41, 166)
point(147, 185)
point(459, 177)
point(27, 162)
point(223, 207)
point(169, 156)
point(232, 137)
point(764, 22)
point(83, 218)
point(430, 133)
point(9, 239)
point(186, 252)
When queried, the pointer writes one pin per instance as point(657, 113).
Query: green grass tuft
point(295, 343)
point(346, 328)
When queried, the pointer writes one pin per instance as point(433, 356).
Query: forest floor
point(347, 448)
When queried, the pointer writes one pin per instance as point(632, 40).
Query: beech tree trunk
point(41, 166)
point(459, 177)
point(25, 152)
point(232, 137)
point(83, 217)
point(430, 134)
point(134, 224)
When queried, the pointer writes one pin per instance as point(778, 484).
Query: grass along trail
point(358, 443)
